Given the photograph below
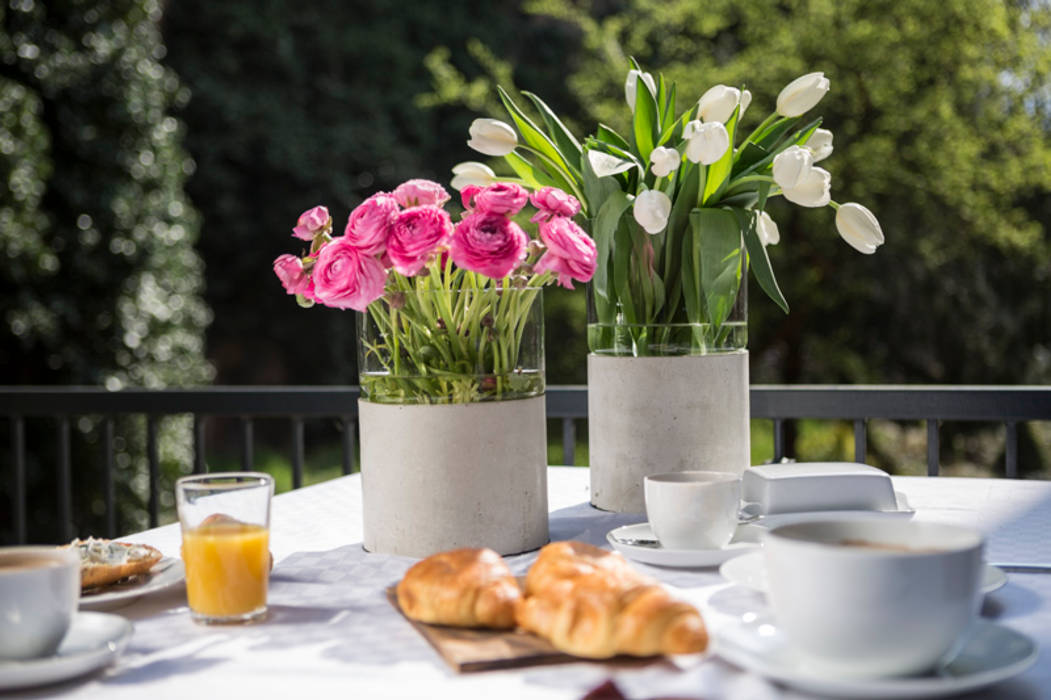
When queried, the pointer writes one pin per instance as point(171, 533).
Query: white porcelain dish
point(796, 487)
point(749, 570)
point(993, 654)
point(94, 640)
point(639, 543)
point(901, 509)
point(168, 572)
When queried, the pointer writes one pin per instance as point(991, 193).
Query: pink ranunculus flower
point(467, 196)
point(311, 222)
point(368, 226)
point(487, 243)
point(551, 202)
point(414, 193)
point(501, 198)
point(289, 269)
point(347, 278)
point(416, 234)
point(570, 252)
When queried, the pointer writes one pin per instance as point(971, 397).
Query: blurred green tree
point(100, 283)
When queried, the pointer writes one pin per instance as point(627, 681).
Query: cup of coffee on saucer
point(39, 592)
point(874, 598)
point(693, 509)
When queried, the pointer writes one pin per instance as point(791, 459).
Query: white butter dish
point(796, 487)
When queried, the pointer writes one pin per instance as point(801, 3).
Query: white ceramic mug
point(870, 597)
point(39, 592)
point(693, 509)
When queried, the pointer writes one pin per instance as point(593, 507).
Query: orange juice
point(227, 568)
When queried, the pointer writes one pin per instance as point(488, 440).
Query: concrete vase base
point(441, 477)
point(648, 415)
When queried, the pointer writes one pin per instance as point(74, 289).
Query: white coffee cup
point(871, 597)
point(39, 593)
point(693, 509)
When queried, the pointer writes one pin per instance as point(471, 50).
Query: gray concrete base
point(446, 476)
point(648, 415)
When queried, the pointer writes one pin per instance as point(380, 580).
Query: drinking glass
point(225, 519)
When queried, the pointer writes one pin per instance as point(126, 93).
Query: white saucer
point(93, 641)
point(993, 654)
point(750, 571)
point(167, 572)
point(772, 520)
point(626, 540)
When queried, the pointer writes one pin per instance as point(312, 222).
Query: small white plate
point(773, 520)
point(93, 641)
point(167, 572)
point(750, 571)
point(639, 543)
point(993, 654)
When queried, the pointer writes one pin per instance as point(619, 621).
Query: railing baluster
point(65, 480)
point(199, 466)
point(569, 442)
point(932, 447)
point(348, 443)
point(108, 483)
point(18, 449)
point(779, 439)
point(246, 443)
point(860, 440)
point(297, 452)
point(153, 466)
point(1011, 450)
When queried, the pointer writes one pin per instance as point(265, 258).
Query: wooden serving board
point(468, 650)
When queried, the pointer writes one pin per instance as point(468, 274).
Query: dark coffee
point(11, 563)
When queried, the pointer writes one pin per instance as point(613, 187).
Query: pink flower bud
point(414, 193)
point(552, 202)
point(289, 269)
point(312, 222)
point(571, 253)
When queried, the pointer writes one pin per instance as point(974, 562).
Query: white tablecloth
point(331, 631)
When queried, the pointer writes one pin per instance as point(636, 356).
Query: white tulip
point(472, 173)
point(664, 161)
point(604, 164)
point(767, 229)
point(820, 144)
point(802, 94)
point(492, 137)
point(746, 99)
point(814, 189)
point(858, 227)
point(791, 165)
point(630, 86)
point(718, 103)
point(705, 143)
point(652, 209)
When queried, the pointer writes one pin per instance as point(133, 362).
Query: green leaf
point(680, 123)
point(769, 138)
point(622, 271)
point(563, 137)
point(757, 257)
point(535, 138)
point(603, 230)
point(691, 290)
point(748, 156)
point(647, 122)
point(606, 134)
point(719, 171)
point(668, 115)
point(718, 234)
point(533, 176)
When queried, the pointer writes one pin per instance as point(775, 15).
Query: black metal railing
point(1009, 405)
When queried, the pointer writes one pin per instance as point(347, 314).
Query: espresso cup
point(873, 597)
point(692, 509)
point(39, 592)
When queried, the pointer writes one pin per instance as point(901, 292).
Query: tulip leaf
point(534, 137)
point(718, 234)
point(769, 138)
point(691, 292)
point(804, 134)
point(646, 123)
point(603, 229)
point(777, 148)
point(719, 171)
point(679, 124)
point(563, 137)
point(531, 175)
point(668, 114)
point(622, 270)
point(757, 257)
point(747, 157)
point(606, 134)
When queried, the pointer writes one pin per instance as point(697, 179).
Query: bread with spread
point(105, 561)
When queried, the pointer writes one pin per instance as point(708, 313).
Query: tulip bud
point(664, 161)
point(766, 227)
point(791, 165)
point(706, 143)
point(630, 86)
point(858, 227)
point(812, 190)
point(820, 144)
point(492, 137)
point(651, 210)
point(802, 94)
point(472, 173)
point(718, 103)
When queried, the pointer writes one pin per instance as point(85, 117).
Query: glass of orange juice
point(225, 519)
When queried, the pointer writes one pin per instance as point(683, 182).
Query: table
point(331, 631)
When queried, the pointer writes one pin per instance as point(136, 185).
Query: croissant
point(589, 602)
point(461, 588)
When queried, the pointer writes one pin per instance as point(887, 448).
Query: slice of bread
point(106, 561)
